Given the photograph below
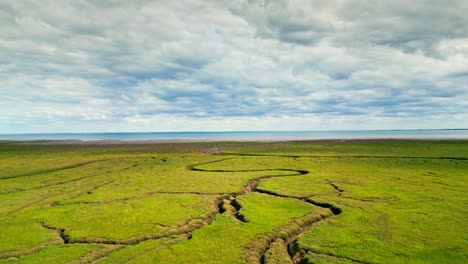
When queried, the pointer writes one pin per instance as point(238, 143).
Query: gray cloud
point(418, 27)
point(127, 65)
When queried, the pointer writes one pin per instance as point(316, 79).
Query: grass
point(56, 254)
point(225, 239)
point(393, 202)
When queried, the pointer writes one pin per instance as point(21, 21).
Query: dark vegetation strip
point(52, 170)
point(217, 170)
point(339, 156)
point(193, 166)
point(70, 167)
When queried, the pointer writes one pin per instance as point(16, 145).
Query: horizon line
point(233, 131)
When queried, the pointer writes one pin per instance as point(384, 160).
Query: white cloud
point(232, 65)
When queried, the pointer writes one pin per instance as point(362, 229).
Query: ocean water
point(249, 135)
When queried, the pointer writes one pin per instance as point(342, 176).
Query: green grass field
point(374, 201)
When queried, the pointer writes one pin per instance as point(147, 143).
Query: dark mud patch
point(336, 187)
point(61, 232)
point(232, 207)
point(237, 213)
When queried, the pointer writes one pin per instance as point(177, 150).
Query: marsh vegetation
point(290, 202)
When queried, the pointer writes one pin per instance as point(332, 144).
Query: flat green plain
point(355, 201)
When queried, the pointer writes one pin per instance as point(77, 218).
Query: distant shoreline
point(181, 141)
point(256, 136)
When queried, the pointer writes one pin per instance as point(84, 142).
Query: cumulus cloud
point(232, 65)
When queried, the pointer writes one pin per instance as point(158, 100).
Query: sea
point(247, 135)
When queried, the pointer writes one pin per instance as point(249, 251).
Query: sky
point(234, 65)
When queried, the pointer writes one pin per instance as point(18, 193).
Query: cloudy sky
point(99, 66)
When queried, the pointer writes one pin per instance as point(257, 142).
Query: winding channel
point(255, 255)
point(307, 221)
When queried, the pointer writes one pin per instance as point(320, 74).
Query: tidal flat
point(324, 201)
